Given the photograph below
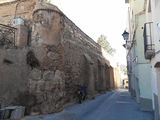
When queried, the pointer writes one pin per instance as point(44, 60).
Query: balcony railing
point(7, 36)
point(149, 47)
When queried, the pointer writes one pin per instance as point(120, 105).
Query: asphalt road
point(115, 105)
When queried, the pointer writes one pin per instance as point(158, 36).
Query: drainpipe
point(17, 8)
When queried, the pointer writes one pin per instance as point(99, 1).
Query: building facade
point(44, 57)
point(152, 43)
point(139, 69)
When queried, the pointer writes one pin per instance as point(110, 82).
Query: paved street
point(115, 105)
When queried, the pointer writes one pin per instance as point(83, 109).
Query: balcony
point(7, 36)
point(149, 47)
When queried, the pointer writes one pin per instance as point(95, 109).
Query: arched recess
point(89, 81)
point(101, 76)
point(107, 76)
point(111, 77)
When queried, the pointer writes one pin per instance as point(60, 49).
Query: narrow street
point(115, 105)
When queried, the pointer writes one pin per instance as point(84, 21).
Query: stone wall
point(13, 75)
point(50, 61)
point(84, 64)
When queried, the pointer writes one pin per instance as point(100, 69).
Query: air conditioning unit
point(18, 21)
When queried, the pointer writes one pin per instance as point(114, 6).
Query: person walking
point(84, 92)
point(79, 95)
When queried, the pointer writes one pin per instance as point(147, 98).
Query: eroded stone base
point(146, 104)
point(156, 109)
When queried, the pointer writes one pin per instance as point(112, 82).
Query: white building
point(152, 37)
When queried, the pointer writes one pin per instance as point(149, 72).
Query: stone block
point(12, 112)
point(39, 98)
point(18, 113)
point(61, 94)
point(40, 52)
point(53, 56)
point(32, 86)
point(58, 77)
point(40, 86)
point(49, 86)
point(48, 75)
point(35, 74)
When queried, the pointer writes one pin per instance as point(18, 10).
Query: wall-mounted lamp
point(125, 35)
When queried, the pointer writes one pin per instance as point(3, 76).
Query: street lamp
point(125, 35)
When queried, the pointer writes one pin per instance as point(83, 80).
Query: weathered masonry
point(44, 56)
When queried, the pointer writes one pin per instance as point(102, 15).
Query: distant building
point(125, 83)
